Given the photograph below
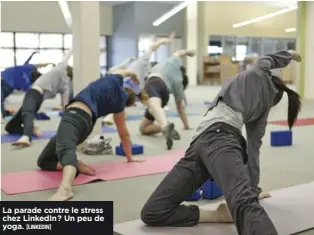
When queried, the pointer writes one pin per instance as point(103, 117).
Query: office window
point(7, 39)
point(7, 58)
point(17, 47)
point(27, 40)
point(51, 55)
point(67, 41)
point(50, 41)
point(22, 55)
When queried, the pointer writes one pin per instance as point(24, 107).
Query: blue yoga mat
point(11, 138)
point(41, 116)
point(108, 129)
point(135, 117)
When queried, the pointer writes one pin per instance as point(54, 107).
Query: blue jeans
point(6, 90)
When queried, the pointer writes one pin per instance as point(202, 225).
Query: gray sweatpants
point(219, 154)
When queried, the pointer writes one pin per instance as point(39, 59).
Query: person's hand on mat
point(295, 55)
point(264, 195)
point(85, 169)
point(136, 160)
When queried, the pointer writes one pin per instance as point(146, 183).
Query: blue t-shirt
point(18, 77)
point(104, 96)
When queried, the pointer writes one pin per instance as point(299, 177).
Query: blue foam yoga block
point(136, 149)
point(195, 196)
point(211, 190)
point(281, 138)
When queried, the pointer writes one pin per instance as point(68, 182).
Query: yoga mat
point(11, 138)
point(299, 122)
point(135, 117)
point(30, 181)
point(290, 209)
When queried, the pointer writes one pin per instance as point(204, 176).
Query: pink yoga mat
point(37, 180)
point(299, 122)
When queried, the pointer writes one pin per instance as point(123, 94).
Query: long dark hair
point(294, 100)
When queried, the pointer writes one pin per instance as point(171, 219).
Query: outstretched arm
point(277, 60)
point(123, 65)
point(186, 52)
point(127, 73)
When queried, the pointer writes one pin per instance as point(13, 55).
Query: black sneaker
point(175, 135)
point(168, 135)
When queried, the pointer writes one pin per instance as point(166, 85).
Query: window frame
point(63, 48)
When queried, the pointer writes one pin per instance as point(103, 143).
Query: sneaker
point(175, 135)
point(168, 135)
point(98, 145)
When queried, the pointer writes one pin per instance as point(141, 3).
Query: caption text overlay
point(57, 217)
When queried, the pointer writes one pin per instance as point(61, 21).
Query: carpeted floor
point(280, 167)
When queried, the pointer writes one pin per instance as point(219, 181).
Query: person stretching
point(219, 152)
point(165, 79)
point(103, 96)
point(141, 67)
point(19, 77)
point(46, 87)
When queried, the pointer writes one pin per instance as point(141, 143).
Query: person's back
point(104, 96)
point(252, 92)
point(55, 81)
point(18, 77)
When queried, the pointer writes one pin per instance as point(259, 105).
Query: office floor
point(280, 167)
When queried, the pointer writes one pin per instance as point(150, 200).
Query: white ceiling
point(112, 3)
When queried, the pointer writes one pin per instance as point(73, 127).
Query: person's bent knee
point(152, 217)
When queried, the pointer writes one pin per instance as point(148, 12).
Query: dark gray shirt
point(252, 94)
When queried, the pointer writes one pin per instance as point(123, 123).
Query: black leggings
point(74, 128)
point(6, 90)
point(22, 122)
point(156, 87)
point(218, 154)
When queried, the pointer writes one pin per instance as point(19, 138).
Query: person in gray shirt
point(140, 66)
point(166, 78)
point(219, 152)
point(46, 86)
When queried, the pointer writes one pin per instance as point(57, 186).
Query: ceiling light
point(66, 12)
point(171, 13)
point(264, 17)
point(290, 30)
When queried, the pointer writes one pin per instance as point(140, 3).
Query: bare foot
point(63, 194)
point(85, 169)
point(264, 195)
point(22, 142)
point(224, 213)
point(37, 132)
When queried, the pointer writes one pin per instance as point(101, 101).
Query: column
point(192, 41)
point(305, 46)
point(86, 52)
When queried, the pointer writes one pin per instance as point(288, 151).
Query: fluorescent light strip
point(66, 12)
point(290, 30)
point(172, 12)
point(268, 16)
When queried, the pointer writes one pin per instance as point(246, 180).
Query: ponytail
point(294, 100)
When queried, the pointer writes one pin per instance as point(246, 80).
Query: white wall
point(27, 16)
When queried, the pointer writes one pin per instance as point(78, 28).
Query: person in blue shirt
point(101, 97)
point(18, 77)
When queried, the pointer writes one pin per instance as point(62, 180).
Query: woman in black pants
point(218, 151)
point(158, 98)
point(101, 97)
point(46, 86)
